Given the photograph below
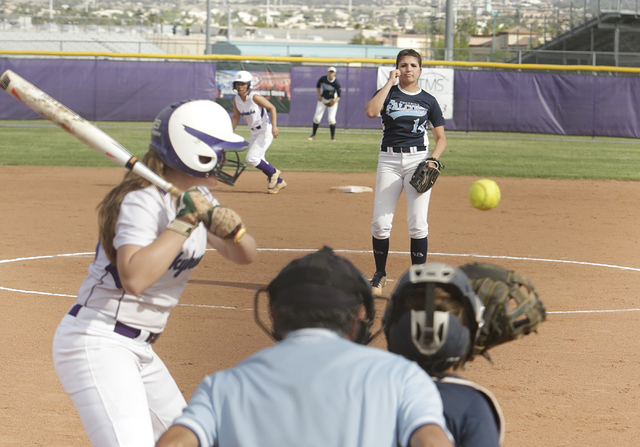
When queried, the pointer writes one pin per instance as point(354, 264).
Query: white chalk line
point(308, 250)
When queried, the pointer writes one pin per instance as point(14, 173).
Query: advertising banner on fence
point(435, 81)
point(273, 81)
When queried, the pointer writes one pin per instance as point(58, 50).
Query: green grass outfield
point(474, 154)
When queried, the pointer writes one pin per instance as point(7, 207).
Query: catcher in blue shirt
point(406, 112)
point(454, 325)
point(315, 387)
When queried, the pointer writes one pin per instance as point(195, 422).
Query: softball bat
point(45, 105)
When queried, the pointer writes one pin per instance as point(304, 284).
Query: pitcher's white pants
point(122, 390)
point(331, 112)
point(393, 175)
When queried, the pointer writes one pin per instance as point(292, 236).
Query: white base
point(351, 188)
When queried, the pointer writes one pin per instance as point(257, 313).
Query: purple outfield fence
point(567, 104)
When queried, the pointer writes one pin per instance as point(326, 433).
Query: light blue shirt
point(314, 388)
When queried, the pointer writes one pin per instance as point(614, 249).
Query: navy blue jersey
point(405, 116)
point(328, 89)
point(473, 416)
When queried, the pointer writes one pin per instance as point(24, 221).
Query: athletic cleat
point(273, 179)
point(377, 283)
point(312, 137)
point(276, 189)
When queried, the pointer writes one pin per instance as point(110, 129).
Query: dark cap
point(321, 280)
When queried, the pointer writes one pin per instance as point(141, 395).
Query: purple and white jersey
point(253, 114)
point(144, 215)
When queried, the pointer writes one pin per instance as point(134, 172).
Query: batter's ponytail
point(109, 208)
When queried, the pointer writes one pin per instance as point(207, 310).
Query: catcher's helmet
point(243, 77)
point(435, 339)
point(196, 137)
point(318, 282)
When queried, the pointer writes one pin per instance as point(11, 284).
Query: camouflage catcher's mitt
point(512, 306)
point(425, 177)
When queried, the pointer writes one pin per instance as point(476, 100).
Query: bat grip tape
point(132, 161)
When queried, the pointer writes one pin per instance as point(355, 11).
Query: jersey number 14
point(419, 128)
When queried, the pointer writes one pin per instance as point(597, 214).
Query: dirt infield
point(575, 383)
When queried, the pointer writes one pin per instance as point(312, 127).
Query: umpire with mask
point(318, 386)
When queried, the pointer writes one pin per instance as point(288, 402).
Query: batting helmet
point(319, 283)
point(435, 339)
point(243, 77)
point(196, 137)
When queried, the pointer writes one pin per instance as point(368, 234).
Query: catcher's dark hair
point(408, 52)
point(447, 299)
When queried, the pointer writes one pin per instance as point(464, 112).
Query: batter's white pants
point(259, 142)
point(122, 390)
point(393, 174)
point(331, 113)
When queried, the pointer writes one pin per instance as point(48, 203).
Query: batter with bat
point(405, 160)
point(149, 243)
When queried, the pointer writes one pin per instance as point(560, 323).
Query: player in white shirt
point(255, 109)
point(316, 387)
point(147, 249)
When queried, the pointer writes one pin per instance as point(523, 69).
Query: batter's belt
point(121, 328)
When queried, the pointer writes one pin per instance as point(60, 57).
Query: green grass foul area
point(478, 154)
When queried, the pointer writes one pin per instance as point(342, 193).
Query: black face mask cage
point(256, 314)
point(229, 164)
point(427, 335)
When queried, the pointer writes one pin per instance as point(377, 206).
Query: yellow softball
point(484, 194)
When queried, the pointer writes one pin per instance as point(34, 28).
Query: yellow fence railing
point(320, 60)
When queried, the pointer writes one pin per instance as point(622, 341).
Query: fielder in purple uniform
point(148, 246)
point(433, 318)
point(406, 112)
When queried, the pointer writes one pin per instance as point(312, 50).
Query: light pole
point(448, 32)
point(228, 20)
point(207, 30)
point(489, 9)
point(493, 40)
point(426, 52)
